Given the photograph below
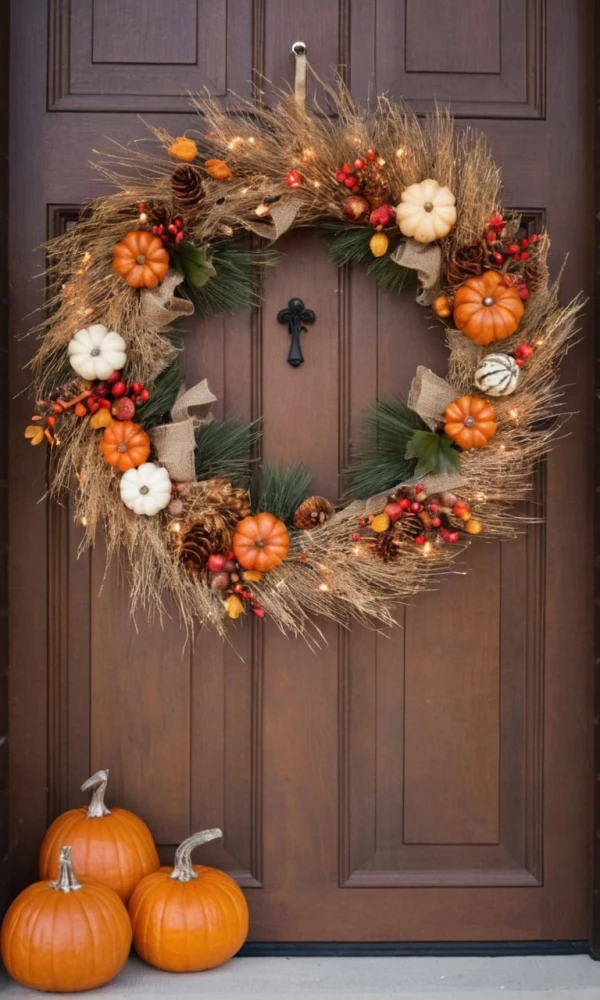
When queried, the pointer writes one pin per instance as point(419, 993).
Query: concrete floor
point(574, 977)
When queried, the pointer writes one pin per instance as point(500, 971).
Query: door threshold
point(410, 949)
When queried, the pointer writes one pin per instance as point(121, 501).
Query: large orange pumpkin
point(261, 542)
point(125, 445)
point(470, 421)
point(188, 918)
point(485, 309)
point(67, 935)
point(113, 846)
point(141, 259)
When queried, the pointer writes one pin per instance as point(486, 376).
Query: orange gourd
point(125, 445)
point(113, 846)
point(470, 421)
point(218, 170)
point(189, 917)
point(141, 259)
point(183, 149)
point(261, 542)
point(486, 310)
point(67, 935)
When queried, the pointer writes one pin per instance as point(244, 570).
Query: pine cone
point(187, 187)
point(388, 546)
point(220, 494)
point(312, 512)
point(201, 539)
point(466, 262)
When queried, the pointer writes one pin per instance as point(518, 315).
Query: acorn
point(378, 244)
point(441, 306)
point(355, 208)
point(220, 581)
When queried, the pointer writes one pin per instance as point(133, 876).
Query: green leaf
point(434, 453)
point(193, 263)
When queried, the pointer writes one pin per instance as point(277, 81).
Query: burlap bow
point(282, 215)
point(161, 307)
point(430, 396)
point(175, 443)
point(426, 260)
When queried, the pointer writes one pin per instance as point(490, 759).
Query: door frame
point(561, 947)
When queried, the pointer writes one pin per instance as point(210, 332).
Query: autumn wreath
point(178, 492)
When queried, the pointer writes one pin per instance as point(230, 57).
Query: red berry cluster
point(346, 175)
point(506, 255)
point(432, 518)
point(171, 233)
point(522, 353)
point(114, 395)
point(225, 575)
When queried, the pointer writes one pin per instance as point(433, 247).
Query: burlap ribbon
point(426, 260)
point(282, 216)
point(175, 442)
point(430, 396)
point(160, 307)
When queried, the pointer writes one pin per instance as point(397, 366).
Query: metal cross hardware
point(294, 316)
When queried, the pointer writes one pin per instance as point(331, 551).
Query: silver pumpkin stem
point(183, 870)
point(98, 782)
point(66, 881)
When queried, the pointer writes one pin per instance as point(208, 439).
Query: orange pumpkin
point(65, 936)
point(125, 445)
point(485, 309)
point(470, 421)
point(261, 542)
point(188, 918)
point(113, 846)
point(141, 259)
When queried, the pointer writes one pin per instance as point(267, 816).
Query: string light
point(540, 341)
point(86, 257)
point(324, 587)
point(235, 142)
point(427, 548)
point(513, 414)
point(400, 152)
point(244, 190)
point(308, 154)
point(83, 521)
point(251, 140)
point(356, 550)
point(502, 447)
point(143, 217)
point(317, 184)
point(262, 210)
point(175, 526)
point(380, 161)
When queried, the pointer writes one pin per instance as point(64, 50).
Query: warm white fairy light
point(540, 341)
point(244, 190)
point(251, 140)
point(380, 161)
point(324, 587)
point(235, 142)
point(143, 217)
point(316, 184)
point(502, 447)
point(86, 257)
point(308, 155)
point(175, 526)
point(356, 550)
point(427, 548)
point(400, 152)
point(83, 521)
point(514, 413)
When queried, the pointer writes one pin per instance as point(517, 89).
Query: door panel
point(443, 767)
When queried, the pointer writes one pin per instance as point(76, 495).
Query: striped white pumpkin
point(497, 375)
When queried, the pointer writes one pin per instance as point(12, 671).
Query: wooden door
point(433, 783)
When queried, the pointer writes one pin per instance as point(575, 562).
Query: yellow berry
point(378, 244)
point(474, 527)
point(381, 523)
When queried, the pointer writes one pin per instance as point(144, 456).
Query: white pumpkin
point(426, 211)
point(147, 489)
point(497, 375)
point(96, 352)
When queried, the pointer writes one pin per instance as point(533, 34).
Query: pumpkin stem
point(183, 870)
point(97, 808)
point(66, 881)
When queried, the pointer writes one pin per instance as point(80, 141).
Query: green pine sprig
point(280, 489)
point(234, 281)
point(224, 450)
point(349, 244)
point(380, 462)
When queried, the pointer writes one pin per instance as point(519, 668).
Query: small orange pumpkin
point(261, 542)
point(217, 169)
point(65, 936)
point(470, 421)
point(141, 259)
point(190, 917)
point(125, 445)
point(183, 149)
point(114, 847)
point(485, 309)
